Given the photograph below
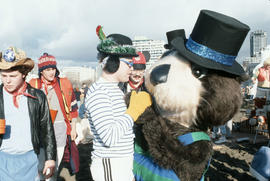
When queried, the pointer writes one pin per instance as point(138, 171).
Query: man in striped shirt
point(110, 120)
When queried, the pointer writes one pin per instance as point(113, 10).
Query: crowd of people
point(45, 111)
point(38, 119)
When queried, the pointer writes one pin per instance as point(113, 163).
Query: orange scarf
point(20, 91)
point(137, 86)
point(58, 92)
point(47, 83)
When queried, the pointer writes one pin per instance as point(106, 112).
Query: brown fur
point(220, 102)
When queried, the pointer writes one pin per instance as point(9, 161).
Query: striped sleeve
point(111, 128)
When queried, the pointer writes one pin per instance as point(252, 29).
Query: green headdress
point(115, 44)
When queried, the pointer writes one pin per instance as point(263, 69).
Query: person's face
point(124, 70)
point(12, 80)
point(49, 74)
point(267, 67)
point(136, 76)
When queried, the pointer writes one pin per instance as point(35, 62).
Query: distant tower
point(258, 41)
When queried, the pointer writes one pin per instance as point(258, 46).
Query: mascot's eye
point(198, 72)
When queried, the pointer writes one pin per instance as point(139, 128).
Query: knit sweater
point(112, 128)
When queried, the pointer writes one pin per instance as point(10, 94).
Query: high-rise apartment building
point(258, 41)
point(155, 48)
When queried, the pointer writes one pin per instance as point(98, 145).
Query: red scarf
point(58, 92)
point(20, 91)
point(48, 83)
point(135, 87)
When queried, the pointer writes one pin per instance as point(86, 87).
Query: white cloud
point(66, 28)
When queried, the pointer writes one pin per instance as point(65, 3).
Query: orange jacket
point(68, 92)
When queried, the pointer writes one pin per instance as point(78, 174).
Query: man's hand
point(49, 165)
point(73, 134)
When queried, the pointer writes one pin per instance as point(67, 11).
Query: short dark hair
point(21, 68)
point(112, 64)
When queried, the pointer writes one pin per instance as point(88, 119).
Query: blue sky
point(66, 28)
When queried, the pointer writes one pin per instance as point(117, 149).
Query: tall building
point(258, 41)
point(155, 48)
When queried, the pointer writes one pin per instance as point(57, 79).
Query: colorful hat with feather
point(115, 44)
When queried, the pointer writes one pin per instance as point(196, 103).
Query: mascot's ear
point(243, 78)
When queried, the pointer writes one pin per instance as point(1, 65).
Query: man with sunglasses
point(136, 78)
point(110, 120)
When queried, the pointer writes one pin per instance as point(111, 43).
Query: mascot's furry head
point(195, 85)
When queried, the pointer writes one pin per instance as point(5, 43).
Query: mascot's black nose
point(159, 74)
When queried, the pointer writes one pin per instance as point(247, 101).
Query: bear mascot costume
point(194, 86)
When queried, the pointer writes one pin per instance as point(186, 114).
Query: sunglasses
point(130, 64)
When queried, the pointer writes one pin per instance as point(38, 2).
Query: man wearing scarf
point(136, 79)
point(24, 112)
point(63, 108)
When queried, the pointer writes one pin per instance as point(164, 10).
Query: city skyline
point(66, 29)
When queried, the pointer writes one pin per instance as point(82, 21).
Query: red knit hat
point(140, 61)
point(46, 61)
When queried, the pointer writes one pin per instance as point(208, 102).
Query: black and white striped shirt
point(112, 128)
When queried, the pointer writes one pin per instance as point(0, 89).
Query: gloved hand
point(138, 103)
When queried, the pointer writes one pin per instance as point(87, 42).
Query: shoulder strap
point(64, 99)
point(37, 84)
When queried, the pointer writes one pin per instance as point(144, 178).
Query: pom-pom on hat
point(140, 61)
point(214, 42)
point(46, 61)
point(13, 57)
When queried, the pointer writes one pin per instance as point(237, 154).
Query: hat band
point(208, 53)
